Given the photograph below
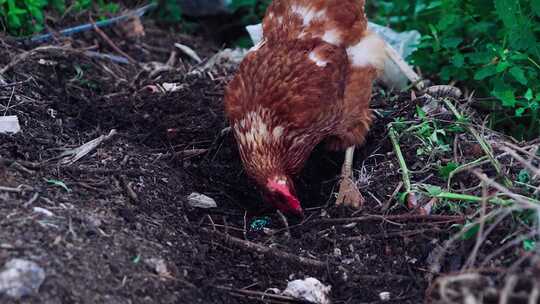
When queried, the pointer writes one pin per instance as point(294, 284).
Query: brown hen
point(308, 81)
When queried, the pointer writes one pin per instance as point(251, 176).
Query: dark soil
point(101, 244)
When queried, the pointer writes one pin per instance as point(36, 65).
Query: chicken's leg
point(348, 194)
point(404, 67)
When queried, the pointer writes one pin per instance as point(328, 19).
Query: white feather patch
point(307, 14)
point(368, 52)
point(254, 129)
point(313, 56)
point(332, 37)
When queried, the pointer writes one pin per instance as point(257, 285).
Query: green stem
point(469, 198)
point(534, 62)
point(467, 166)
point(402, 164)
point(483, 144)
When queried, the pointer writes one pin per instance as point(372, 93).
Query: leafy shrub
point(492, 46)
point(24, 17)
point(169, 11)
point(252, 11)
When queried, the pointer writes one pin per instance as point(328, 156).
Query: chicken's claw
point(349, 195)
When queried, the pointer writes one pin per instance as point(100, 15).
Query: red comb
point(283, 189)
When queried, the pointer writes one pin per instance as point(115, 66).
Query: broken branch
point(264, 250)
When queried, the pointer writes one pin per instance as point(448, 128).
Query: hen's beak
point(284, 199)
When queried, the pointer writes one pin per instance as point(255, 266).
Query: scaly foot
point(348, 194)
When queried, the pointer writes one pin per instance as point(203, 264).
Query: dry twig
point(392, 218)
point(110, 42)
point(265, 250)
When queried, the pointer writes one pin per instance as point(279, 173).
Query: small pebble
point(384, 296)
point(309, 289)
point(20, 278)
point(198, 200)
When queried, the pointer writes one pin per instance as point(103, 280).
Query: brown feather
point(309, 80)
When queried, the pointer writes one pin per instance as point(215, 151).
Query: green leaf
point(402, 197)
point(507, 97)
point(507, 11)
point(445, 170)
point(37, 13)
point(485, 72)
point(519, 75)
point(529, 245)
point(534, 105)
point(58, 183)
point(470, 231)
point(452, 42)
point(502, 66)
point(136, 259)
point(529, 95)
point(420, 112)
point(480, 57)
point(535, 5)
point(519, 56)
point(434, 190)
point(524, 176)
point(519, 112)
point(458, 60)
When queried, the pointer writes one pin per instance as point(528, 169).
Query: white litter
point(384, 296)
point(172, 87)
point(43, 211)
point(20, 278)
point(188, 51)
point(71, 156)
point(159, 266)
point(227, 58)
point(9, 124)
point(198, 200)
point(309, 289)
point(255, 33)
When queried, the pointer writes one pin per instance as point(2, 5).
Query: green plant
point(252, 11)
point(169, 11)
point(248, 12)
point(25, 17)
point(493, 46)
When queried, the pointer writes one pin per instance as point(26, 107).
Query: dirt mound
point(120, 229)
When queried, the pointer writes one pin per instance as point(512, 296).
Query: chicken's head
point(279, 192)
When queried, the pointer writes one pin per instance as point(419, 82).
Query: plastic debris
point(71, 156)
point(198, 200)
point(188, 51)
point(43, 211)
point(309, 289)
point(384, 296)
point(405, 43)
point(159, 266)
point(255, 33)
point(20, 278)
point(226, 58)
point(260, 223)
point(89, 26)
point(171, 87)
point(9, 124)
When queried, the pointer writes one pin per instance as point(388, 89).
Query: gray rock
point(20, 278)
